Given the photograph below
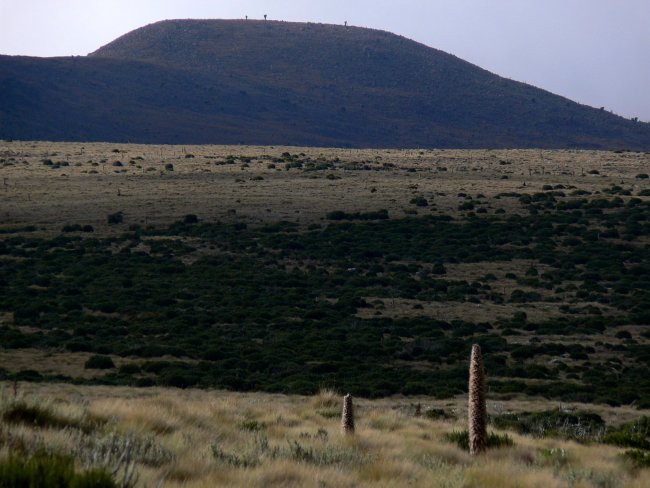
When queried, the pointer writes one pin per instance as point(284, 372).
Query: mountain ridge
point(270, 82)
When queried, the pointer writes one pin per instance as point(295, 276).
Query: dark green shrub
point(638, 459)
point(34, 415)
point(43, 471)
point(420, 201)
point(252, 425)
point(115, 218)
point(439, 269)
point(178, 378)
point(437, 414)
point(635, 434)
point(581, 426)
point(99, 362)
point(467, 206)
point(129, 368)
point(461, 439)
point(77, 228)
point(340, 215)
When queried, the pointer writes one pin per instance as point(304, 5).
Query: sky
point(596, 52)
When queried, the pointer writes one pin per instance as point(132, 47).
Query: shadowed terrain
point(255, 82)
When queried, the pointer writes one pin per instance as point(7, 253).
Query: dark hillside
point(262, 82)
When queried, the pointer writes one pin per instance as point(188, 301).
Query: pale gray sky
point(593, 51)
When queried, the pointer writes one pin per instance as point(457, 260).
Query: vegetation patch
point(461, 439)
point(580, 426)
point(21, 412)
point(45, 471)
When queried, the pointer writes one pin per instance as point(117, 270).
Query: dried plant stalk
point(476, 411)
point(347, 416)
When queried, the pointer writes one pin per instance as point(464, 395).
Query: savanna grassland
point(288, 270)
point(171, 437)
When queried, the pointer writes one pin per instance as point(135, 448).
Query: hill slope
point(255, 82)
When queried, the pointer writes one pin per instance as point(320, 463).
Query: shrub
point(420, 201)
point(177, 378)
point(639, 459)
point(466, 206)
point(42, 471)
point(99, 362)
point(129, 368)
point(33, 415)
point(190, 219)
point(116, 218)
point(77, 228)
point(252, 425)
point(437, 414)
point(461, 439)
point(340, 215)
point(439, 269)
point(634, 434)
point(581, 426)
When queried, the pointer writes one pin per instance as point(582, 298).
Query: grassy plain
point(212, 185)
point(216, 438)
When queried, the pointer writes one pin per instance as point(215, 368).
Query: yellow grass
point(391, 448)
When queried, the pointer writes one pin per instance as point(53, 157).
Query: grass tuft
point(461, 439)
point(36, 416)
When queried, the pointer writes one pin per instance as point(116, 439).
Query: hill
point(256, 82)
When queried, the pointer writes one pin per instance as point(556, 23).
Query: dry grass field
point(83, 185)
point(215, 438)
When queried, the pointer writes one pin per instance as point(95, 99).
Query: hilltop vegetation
point(252, 82)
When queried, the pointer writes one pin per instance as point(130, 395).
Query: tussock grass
point(461, 439)
point(214, 438)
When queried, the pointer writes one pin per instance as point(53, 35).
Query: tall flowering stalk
point(476, 411)
point(347, 415)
